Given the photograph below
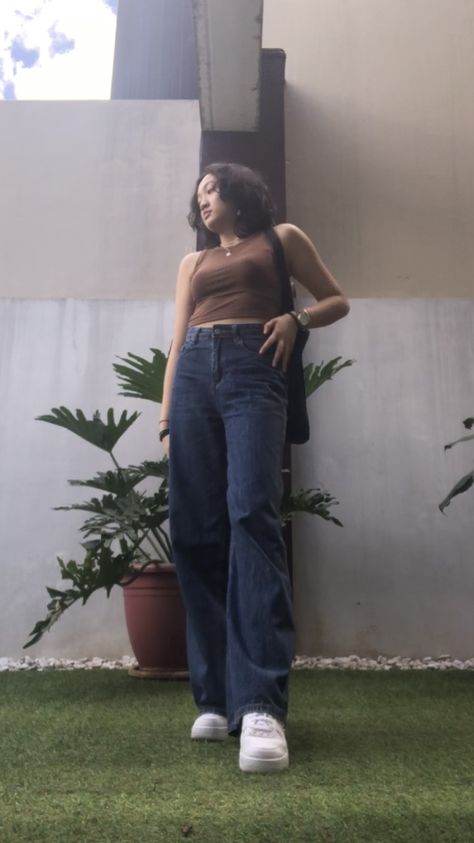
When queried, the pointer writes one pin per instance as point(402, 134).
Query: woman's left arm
point(306, 266)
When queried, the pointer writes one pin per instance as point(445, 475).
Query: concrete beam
point(228, 42)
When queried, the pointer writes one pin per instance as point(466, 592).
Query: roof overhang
point(228, 45)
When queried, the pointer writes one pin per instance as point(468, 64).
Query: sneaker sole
point(263, 765)
point(214, 734)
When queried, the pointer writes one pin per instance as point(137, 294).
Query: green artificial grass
point(98, 757)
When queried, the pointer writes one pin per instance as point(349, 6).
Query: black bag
point(297, 428)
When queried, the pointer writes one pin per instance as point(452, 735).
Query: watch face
point(304, 318)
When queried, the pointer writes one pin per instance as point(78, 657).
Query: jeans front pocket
point(252, 343)
point(189, 341)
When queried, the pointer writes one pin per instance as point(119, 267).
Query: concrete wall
point(380, 174)
point(94, 197)
point(379, 128)
point(92, 227)
point(155, 51)
point(57, 352)
point(398, 578)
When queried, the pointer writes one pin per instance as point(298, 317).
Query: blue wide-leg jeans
point(227, 431)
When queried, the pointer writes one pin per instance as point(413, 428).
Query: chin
point(211, 226)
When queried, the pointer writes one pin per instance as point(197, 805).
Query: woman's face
point(215, 214)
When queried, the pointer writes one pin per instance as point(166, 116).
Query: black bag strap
point(287, 302)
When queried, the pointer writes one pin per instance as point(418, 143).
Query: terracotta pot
point(156, 623)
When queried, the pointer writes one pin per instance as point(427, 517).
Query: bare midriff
point(230, 322)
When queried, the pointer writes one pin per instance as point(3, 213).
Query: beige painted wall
point(380, 139)
point(94, 196)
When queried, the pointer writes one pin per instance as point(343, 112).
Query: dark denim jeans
point(227, 430)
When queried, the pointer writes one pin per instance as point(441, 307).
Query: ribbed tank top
point(242, 285)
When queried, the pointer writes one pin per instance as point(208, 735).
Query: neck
point(229, 241)
point(228, 237)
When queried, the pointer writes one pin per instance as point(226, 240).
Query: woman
point(223, 424)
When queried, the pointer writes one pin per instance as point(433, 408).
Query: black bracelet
point(294, 316)
point(163, 433)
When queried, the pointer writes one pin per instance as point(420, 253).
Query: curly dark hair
point(243, 188)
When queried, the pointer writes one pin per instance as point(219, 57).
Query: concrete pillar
point(155, 53)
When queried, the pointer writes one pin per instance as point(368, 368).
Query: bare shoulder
point(188, 262)
point(305, 263)
point(292, 239)
point(290, 234)
point(284, 229)
point(186, 268)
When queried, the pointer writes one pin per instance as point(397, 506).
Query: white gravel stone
point(354, 662)
point(301, 662)
point(42, 664)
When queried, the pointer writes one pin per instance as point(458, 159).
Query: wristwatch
point(301, 317)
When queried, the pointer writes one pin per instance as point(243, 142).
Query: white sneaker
point(209, 727)
point(263, 746)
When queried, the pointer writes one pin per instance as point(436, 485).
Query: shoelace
point(262, 724)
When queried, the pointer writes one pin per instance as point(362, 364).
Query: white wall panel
point(56, 353)
point(397, 579)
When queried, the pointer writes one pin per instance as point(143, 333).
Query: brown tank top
point(242, 285)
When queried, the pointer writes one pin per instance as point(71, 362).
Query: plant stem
point(119, 467)
point(154, 545)
point(162, 541)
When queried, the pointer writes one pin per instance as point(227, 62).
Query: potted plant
point(125, 540)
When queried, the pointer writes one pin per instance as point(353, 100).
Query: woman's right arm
point(183, 310)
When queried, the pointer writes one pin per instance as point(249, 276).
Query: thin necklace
point(228, 253)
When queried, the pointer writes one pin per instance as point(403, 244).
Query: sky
point(56, 49)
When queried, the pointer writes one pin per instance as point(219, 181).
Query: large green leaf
point(122, 480)
point(95, 431)
point(142, 378)
point(100, 568)
point(315, 376)
point(467, 481)
point(118, 482)
point(134, 513)
point(461, 486)
point(312, 501)
point(151, 468)
point(462, 439)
